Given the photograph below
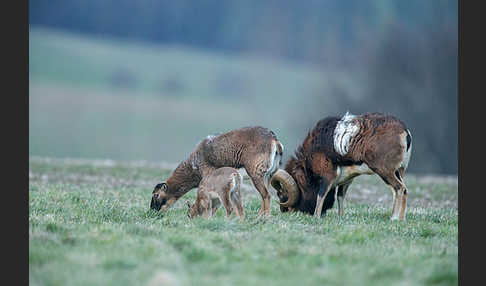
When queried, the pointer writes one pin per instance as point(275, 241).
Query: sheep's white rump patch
point(346, 129)
point(406, 157)
point(273, 164)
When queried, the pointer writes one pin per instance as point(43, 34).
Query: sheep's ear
point(188, 204)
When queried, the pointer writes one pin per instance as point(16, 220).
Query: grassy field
point(90, 224)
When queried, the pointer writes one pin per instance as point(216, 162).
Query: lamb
point(221, 186)
point(256, 149)
point(336, 151)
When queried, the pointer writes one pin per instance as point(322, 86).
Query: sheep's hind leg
point(207, 208)
point(403, 202)
point(258, 182)
point(399, 195)
point(265, 209)
point(226, 203)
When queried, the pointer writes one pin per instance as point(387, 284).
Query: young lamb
point(220, 186)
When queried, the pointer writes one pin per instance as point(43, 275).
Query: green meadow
point(90, 224)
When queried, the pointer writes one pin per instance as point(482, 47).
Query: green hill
point(105, 98)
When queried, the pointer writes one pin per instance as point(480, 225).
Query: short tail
point(280, 148)
point(407, 153)
point(275, 161)
point(409, 139)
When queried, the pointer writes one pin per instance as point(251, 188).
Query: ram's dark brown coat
point(382, 146)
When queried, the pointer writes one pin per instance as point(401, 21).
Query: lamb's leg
point(235, 198)
point(225, 199)
point(208, 208)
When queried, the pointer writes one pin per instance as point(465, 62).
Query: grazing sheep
point(221, 186)
point(336, 151)
point(256, 149)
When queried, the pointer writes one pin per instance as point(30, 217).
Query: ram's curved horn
point(283, 182)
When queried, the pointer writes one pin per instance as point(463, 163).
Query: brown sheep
point(221, 186)
point(256, 149)
point(336, 151)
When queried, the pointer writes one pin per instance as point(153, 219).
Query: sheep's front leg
point(321, 195)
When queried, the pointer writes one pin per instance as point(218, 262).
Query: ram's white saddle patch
point(346, 129)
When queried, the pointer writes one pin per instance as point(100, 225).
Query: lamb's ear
point(188, 204)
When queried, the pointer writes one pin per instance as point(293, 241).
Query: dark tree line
point(412, 75)
point(300, 30)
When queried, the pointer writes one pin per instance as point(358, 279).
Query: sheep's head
point(161, 199)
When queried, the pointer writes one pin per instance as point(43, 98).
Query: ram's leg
point(394, 202)
point(399, 194)
point(403, 201)
point(341, 194)
point(399, 198)
point(400, 202)
point(321, 196)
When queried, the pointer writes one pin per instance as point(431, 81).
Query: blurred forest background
point(146, 80)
